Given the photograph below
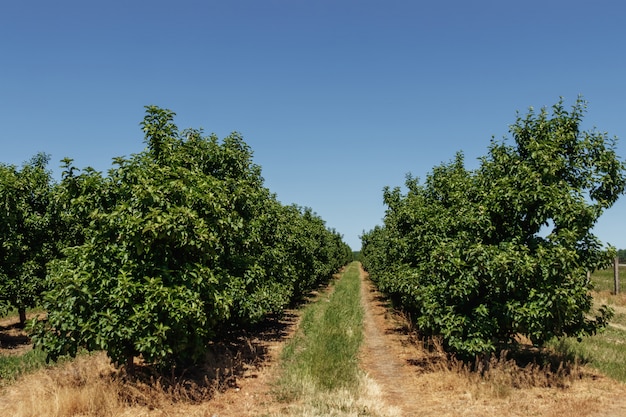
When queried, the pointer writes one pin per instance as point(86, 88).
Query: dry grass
point(366, 401)
point(90, 386)
point(529, 383)
point(609, 298)
point(500, 376)
point(496, 376)
point(86, 386)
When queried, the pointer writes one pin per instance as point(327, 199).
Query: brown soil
point(236, 380)
point(387, 352)
point(251, 393)
point(13, 338)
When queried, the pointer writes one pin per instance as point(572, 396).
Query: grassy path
point(324, 354)
point(321, 375)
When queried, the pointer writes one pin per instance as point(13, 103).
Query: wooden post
point(616, 274)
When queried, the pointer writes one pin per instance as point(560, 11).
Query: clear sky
point(337, 98)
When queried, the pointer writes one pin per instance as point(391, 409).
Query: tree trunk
point(22, 312)
point(130, 365)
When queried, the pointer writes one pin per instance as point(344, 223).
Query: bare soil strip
point(251, 393)
point(386, 354)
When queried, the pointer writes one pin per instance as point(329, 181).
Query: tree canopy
point(479, 257)
point(174, 244)
point(27, 232)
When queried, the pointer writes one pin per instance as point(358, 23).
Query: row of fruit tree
point(481, 257)
point(155, 258)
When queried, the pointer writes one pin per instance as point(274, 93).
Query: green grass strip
point(323, 355)
point(603, 279)
point(605, 351)
point(11, 367)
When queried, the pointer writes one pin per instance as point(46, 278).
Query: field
point(345, 353)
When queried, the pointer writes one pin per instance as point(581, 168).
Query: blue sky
point(336, 98)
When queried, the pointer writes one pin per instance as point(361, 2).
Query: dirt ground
point(13, 340)
point(252, 395)
point(399, 365)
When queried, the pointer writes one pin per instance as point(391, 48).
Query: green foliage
point(174, 244)
point(481, 256)
point(27, 228)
